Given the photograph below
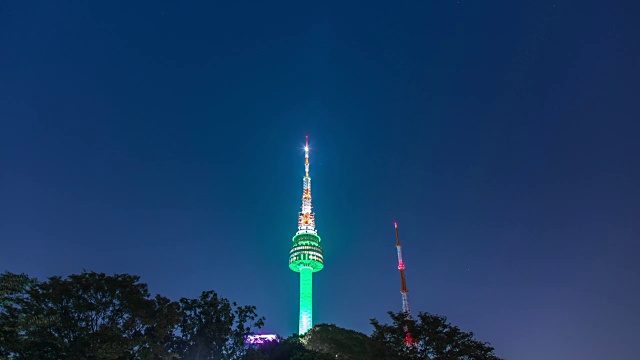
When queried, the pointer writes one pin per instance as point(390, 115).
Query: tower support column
point(306, 300)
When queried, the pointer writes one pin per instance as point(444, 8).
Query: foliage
point(434, 339)
point(290, 348)
point(95, 316)
point(322, 342)
point(92, 316)
point(13, 289)
point(214, 328)
point(338, 342)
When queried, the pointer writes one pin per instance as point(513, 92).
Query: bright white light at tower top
point(306, 148)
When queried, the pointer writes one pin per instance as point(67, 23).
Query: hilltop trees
point(214, 328)
point(290, 348)
point(338, 342)
point(89, 316)
point(322, 342)
point(13, 288)
point(434, 339)
point(94, 316)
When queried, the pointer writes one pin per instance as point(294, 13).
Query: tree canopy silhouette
point(93, 316)
point(433, 338)
point(96, 316)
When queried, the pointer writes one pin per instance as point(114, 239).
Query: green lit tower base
point(305, 256)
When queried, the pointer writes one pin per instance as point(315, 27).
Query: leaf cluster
point(93, 316)
point(433, 338)
point(96, 316)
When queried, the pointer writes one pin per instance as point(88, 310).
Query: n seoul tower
point(305, 256)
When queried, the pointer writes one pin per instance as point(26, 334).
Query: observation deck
point(306, 252)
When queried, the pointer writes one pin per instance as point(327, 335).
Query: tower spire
point(306, 218)
point(305, 256)
point(306, 156)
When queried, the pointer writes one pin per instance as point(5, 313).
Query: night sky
point(165, 139)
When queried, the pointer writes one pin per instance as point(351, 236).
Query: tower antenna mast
point(408, 340)
point(403, 281)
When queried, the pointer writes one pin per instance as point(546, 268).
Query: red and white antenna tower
point(403, 282)
point(408, 340)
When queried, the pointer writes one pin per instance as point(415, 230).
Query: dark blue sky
point(165, 139)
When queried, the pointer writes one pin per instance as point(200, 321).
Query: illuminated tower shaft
point(403, 281)
point(305, 320)
point(305, 256)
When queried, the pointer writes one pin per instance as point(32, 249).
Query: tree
point(290, 348)
point(434, 339)
point(93, 316)
point(338, 342)
point(214, 328)
point(322, 342)
point(13, 290)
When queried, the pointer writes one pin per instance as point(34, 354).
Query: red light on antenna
point(395, 223)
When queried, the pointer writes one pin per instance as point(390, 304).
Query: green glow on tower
point(306, 300)
point(306, 255)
